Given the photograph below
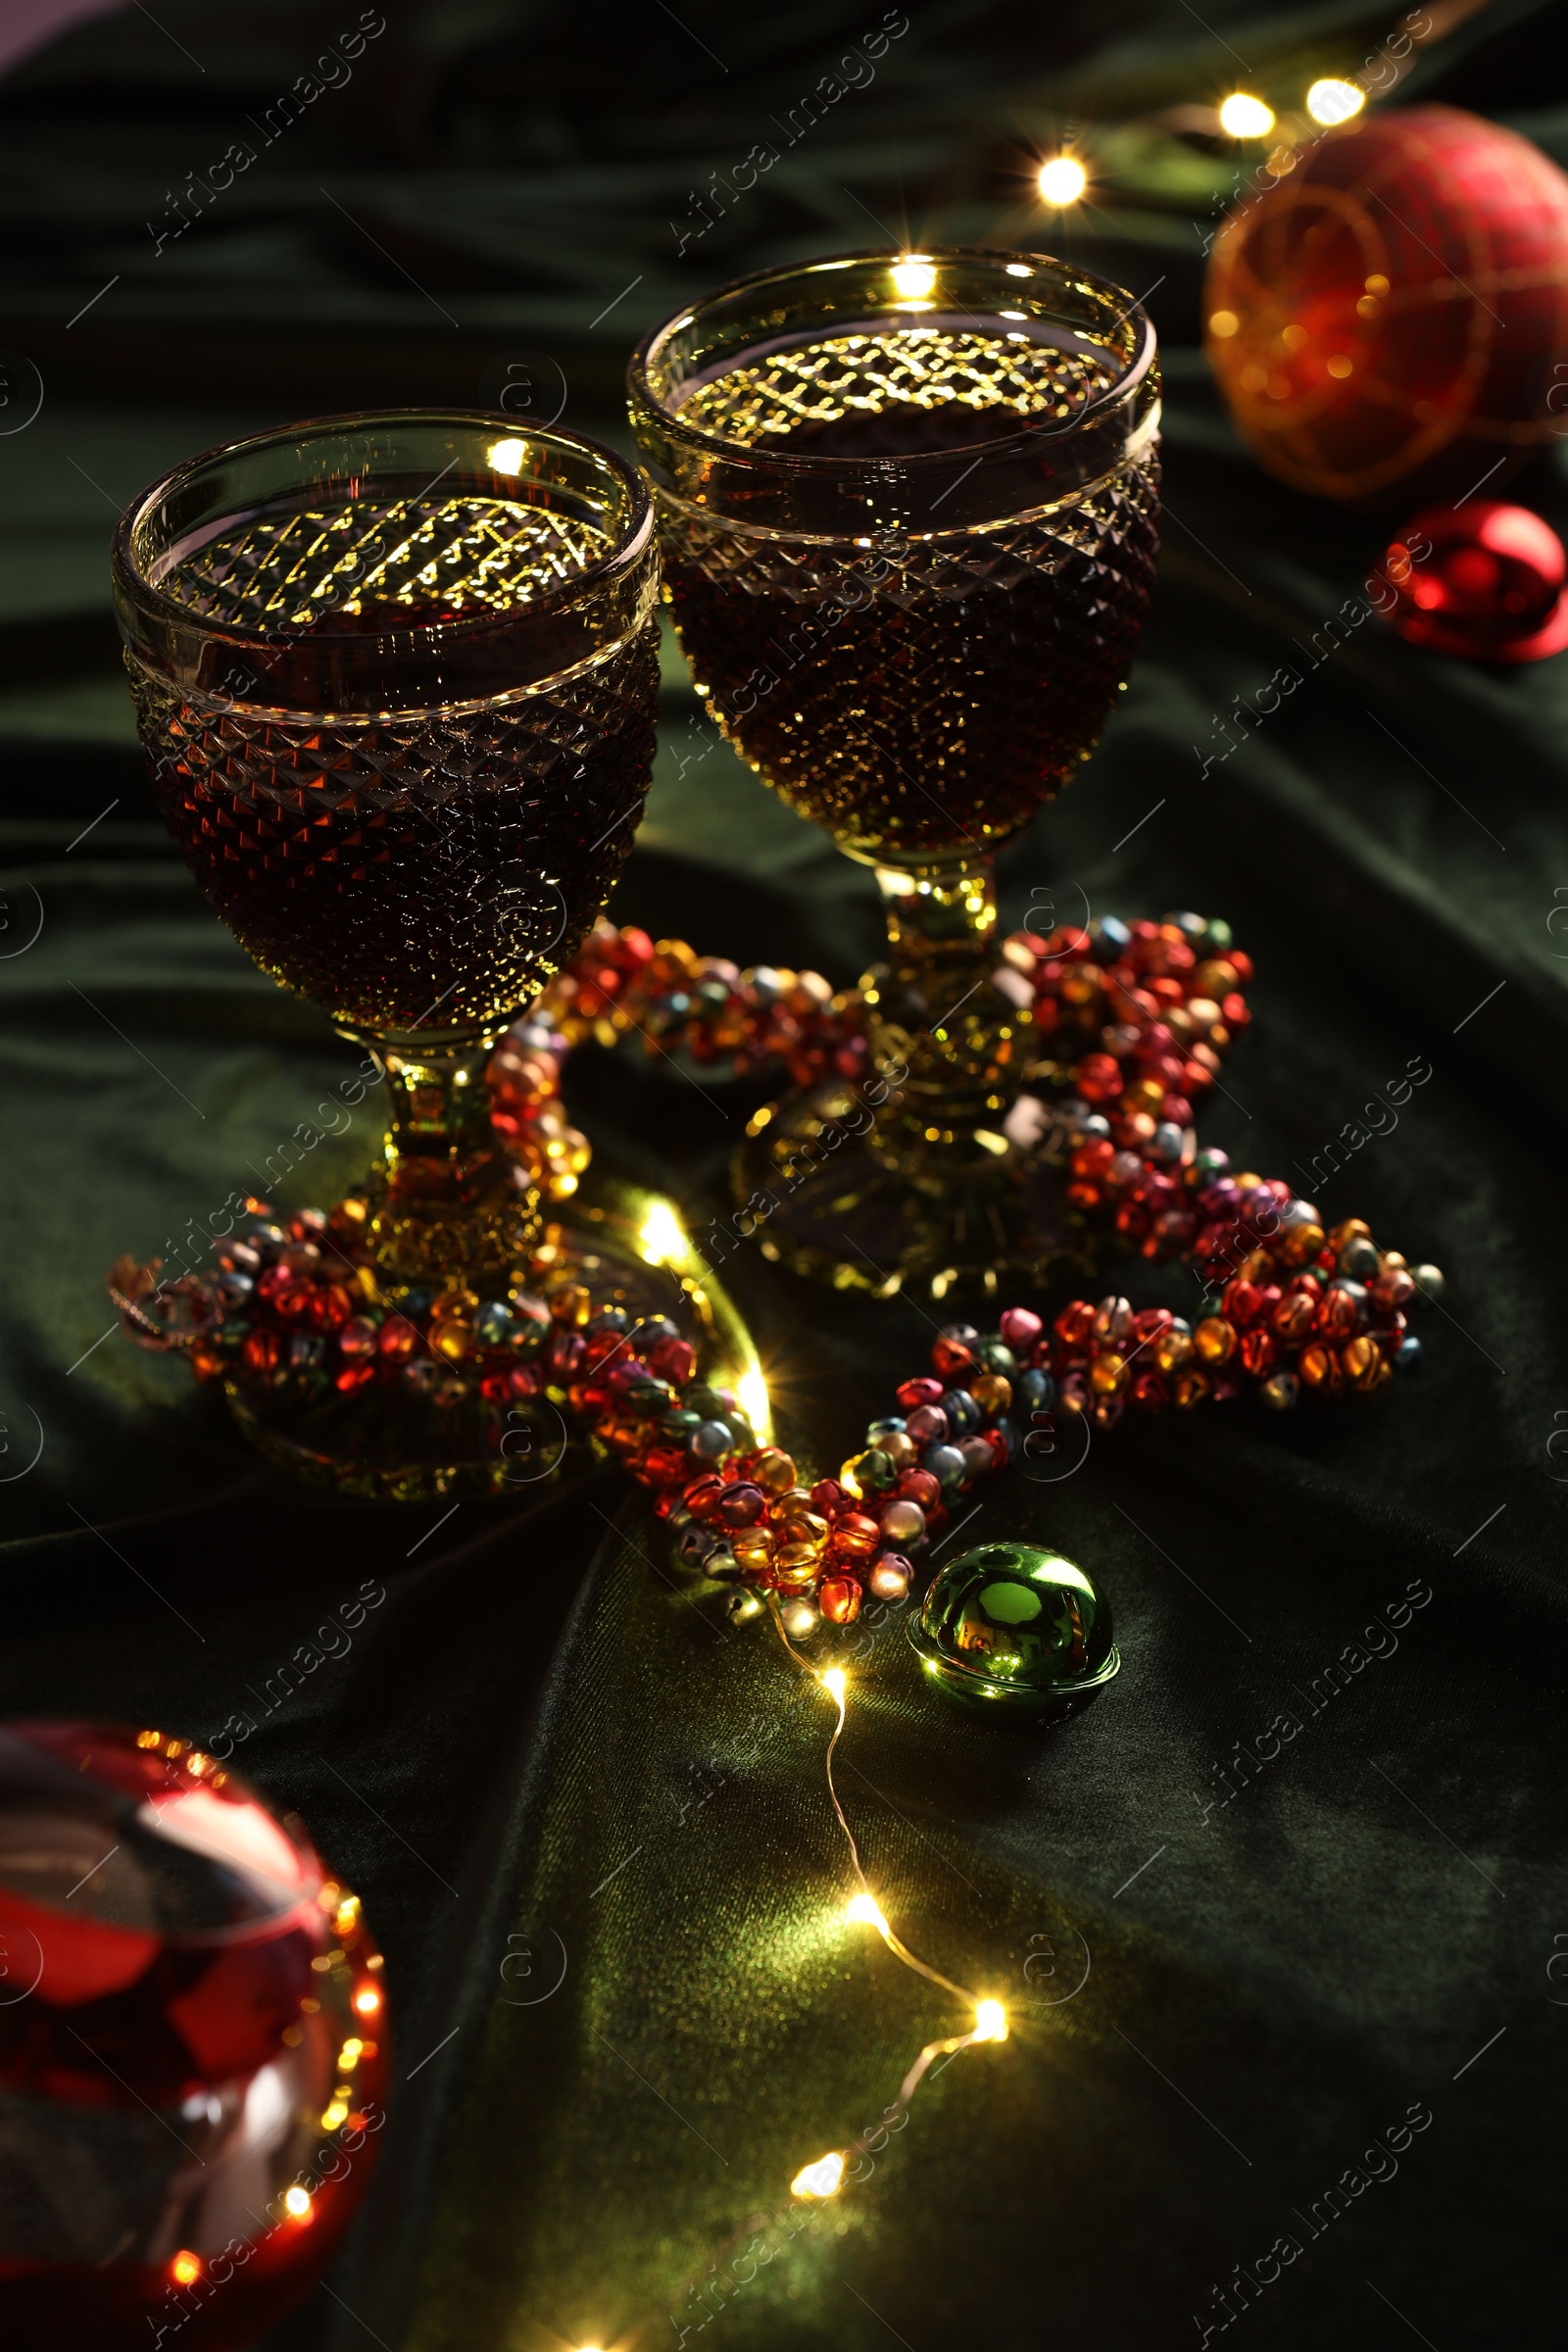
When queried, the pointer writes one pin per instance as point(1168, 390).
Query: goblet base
point(484, 1403)
point(863, 1213)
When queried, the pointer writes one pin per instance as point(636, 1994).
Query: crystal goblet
point(906, 507)
point(395, 675)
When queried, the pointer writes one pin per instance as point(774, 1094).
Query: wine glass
point(395, 675)
point(907, 513)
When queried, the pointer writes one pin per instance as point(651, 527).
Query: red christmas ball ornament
point(1384, 317)
point(193, 2046)
point(1482, 579)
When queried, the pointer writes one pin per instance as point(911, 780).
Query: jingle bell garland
point(1130, 1021)
point(1294, 1317)
point(1152, 1006)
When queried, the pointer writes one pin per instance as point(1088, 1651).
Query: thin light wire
point(933, 2049)
point(951, 2045)
point(935, 1976)
point(854, 1852)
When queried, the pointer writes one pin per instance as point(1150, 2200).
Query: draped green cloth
point(587, 1816)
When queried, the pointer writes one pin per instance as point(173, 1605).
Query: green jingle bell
point(1013, 1626)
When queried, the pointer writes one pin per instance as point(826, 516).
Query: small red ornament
point(1491, 587)
point(1385, 317)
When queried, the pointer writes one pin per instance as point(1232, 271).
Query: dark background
point(534, 1708)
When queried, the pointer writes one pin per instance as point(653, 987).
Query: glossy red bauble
point(1485, 580)
point(1386, 319)
point(193, 2047)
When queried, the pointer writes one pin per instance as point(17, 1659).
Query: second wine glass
point(907, 508)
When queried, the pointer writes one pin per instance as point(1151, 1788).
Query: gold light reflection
point(913, 278)
point(750, 1395)
point(506, 456)
point(660, 1237)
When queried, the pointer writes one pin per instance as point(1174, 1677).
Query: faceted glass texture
point(995, 377)
point(396, 679)
point(930, 698)
point(908, 511)
point(407, 869)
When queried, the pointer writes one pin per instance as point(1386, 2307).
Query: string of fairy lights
point(1063, 179)
point(826, 2176)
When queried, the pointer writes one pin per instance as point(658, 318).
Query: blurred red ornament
point(1491, 587)
point(1480, 580)
point(193, 2047)
point(1387, 315)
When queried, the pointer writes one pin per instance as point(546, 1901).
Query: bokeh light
point(1330, 102)
point(1062, 180)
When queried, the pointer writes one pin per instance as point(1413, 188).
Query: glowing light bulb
point(990, 2022)
point(1245, 117)
point(660, 1237)
point(1332, 101)
point(185, 2267)
point(913, 278)
point(297, 2201)
point(820, 2180)
point(1062, 180)
point(833, 1683)
point(506, 456)
point(864, 1906)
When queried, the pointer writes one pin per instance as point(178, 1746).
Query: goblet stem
point(448, 1202)
point(936, 1020)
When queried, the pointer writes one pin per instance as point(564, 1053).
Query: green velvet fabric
point(587, 1816)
